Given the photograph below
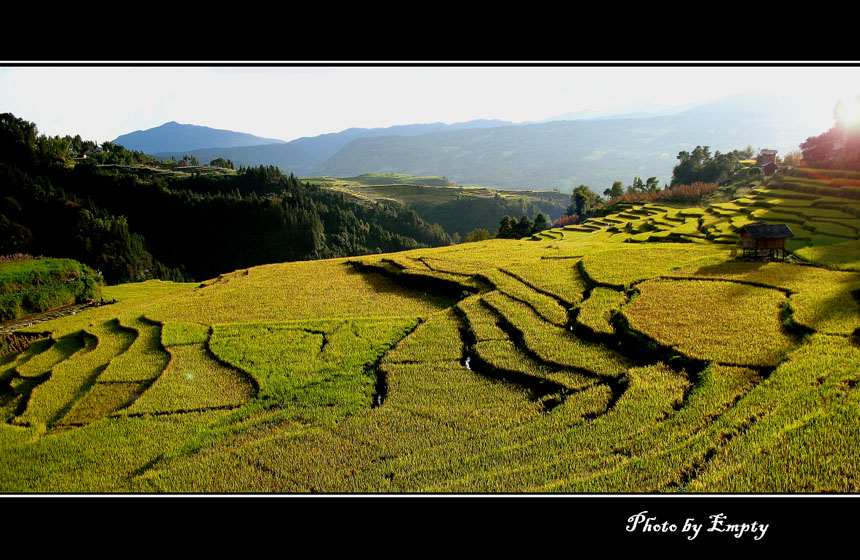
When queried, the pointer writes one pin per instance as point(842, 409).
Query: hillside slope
point(633, 353)
point(459, 210)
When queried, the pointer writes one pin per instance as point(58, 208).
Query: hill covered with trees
point(119, 213)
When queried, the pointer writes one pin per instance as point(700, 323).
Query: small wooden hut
point(763, 241)
point(767, 156)
point(769, 168)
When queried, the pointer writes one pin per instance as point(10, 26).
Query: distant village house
point(767, 162)
point(767, 156)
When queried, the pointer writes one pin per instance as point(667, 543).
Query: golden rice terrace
point(635, 353)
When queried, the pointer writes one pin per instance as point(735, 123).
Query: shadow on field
point(439, 293)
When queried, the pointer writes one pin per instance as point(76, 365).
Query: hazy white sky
point(286, 102)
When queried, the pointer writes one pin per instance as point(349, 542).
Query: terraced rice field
point(632, 355)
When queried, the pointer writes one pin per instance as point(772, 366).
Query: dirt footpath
point(8, 327)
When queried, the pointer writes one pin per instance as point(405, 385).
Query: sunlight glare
point(848, 113)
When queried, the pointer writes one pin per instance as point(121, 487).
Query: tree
point(17, 139)
point(510, 228)
point(583, 198)
point(615, 191)
point(652, 184)
point(700, 166)
point(579, 202)
point(541, 223)
point(479, 234)
point(817, 150)
point(505, 230)
point(524, 227)
point(793, 158)
point(691, 163)
point(52, 152)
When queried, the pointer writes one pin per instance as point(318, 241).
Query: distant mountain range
point(592, 149)
point(175, 137)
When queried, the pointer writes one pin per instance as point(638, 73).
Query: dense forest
point(133, 224)
point(465, 214)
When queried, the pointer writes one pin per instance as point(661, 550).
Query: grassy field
point(634, 353)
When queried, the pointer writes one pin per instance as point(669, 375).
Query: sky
point(101, 102)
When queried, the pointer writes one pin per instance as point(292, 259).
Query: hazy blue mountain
point(298, 156)
point(301, 155)
point(596, 152)
point(324, 146)
point(175, 137)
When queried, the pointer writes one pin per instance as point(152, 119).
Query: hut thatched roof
point(763, 230)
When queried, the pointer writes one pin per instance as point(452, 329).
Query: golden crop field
point(632, 353)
